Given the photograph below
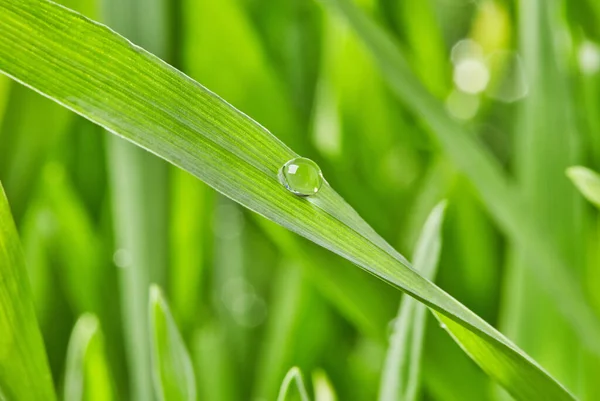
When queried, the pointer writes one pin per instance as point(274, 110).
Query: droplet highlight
point(301, 176)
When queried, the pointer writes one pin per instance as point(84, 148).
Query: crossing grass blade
point(401, 373)
point(93, 71)
point(24, 371)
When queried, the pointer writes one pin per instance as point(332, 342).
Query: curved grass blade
point(105, 78)
point(24, 371)
point(171, 364)
point(588, 183)
point(401, 372)
point(293, 375)
point(87, 377)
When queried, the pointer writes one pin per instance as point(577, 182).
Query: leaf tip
point(587, 182)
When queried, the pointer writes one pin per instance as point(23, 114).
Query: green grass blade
point(401, 373)
point(133, 94)
point(501, 198)
point(543, 148)
point(139, 199)
point(293, 376)
point(588, 183)
point(87, 376)
point(171, 364)
point(24, 371)
point(324, 390)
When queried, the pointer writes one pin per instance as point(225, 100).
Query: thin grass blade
point(401, 372)
point(171, 364)
point(139, 194)
point(293, 379)
point(87, 376)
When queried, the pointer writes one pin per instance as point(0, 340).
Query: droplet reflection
point(301, 176)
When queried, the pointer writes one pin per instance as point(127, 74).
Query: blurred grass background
point(100, 220)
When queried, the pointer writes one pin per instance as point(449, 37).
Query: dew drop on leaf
point(301, 176)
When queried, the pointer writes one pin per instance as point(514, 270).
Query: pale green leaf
point(171, 364)
point(87, 376)
point(324, 390)
point(293, 380)
point(588, 183)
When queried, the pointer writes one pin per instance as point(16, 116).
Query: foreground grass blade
point(588, 183)
point(24, 371)
point(293, 375)
point(401, 373)
point(503, 201)
point(171, 364)
point(87, 377)
point(100, 75)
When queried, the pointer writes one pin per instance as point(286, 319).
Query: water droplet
point(301, 176)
